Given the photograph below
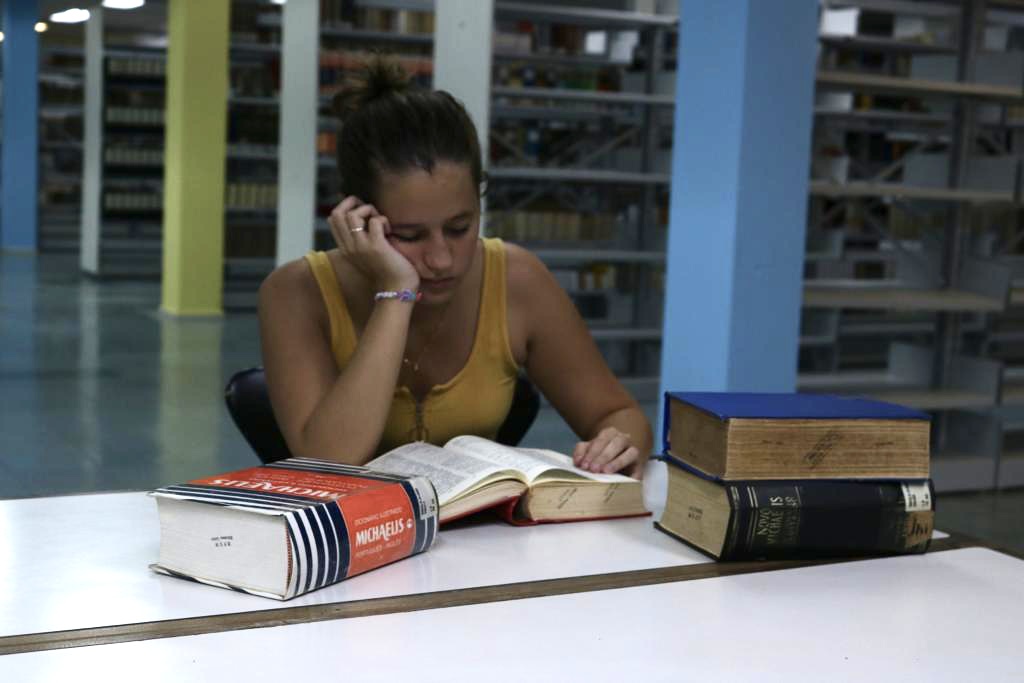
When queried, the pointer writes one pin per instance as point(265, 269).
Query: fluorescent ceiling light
point(1, 36)
point(278, 2)
point(41, 26)
point(123, 4)
point(70, 16)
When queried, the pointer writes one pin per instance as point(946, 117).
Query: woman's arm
point(324, 413)
point(566, 365)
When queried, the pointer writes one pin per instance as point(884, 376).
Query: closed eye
point(409, 234)
point(458, 230)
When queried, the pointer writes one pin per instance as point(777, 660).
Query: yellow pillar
point(194, 153)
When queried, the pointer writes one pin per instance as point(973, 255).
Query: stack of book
point(776, 476)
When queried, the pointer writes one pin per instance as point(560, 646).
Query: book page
point(556, 460)
point(452, 471)
point(504, 457)
point(533, 462)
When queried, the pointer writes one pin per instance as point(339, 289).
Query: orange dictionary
point(293, 526)
point(524, 485)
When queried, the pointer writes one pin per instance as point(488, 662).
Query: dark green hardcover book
point(780, 519)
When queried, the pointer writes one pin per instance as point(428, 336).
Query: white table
point(946, 616)
point(77, 562)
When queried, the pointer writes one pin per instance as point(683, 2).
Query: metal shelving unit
point(131, 156)
point(376, 37)
point(857, 294)
point(567, 126)
point(582, 175)
point(129, 240)
point(868, 189)
point(887, 101)
point(591, 18)
point(554, 59)
point(890, 85)
point(557, 94)
point(878, 44)
point(60, 146)
point(557, 257)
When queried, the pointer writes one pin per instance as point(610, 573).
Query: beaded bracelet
point(401, 295)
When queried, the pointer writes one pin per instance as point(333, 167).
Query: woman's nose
point(439, 255)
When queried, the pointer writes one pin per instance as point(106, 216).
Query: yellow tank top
point(477, 399)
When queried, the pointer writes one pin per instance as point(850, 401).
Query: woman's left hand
point(609, 451)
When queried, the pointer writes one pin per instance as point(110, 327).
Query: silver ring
point(356, 229)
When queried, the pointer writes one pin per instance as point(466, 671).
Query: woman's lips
point(434, 285)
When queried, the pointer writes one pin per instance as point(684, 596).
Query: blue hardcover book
point(786, 519)
point(733, 436)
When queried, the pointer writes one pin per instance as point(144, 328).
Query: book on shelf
point(524, 485)
point(284, 529)
point(795, 436)
point(778, 519)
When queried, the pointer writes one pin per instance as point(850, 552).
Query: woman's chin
point(435, 298)
point(438, 291)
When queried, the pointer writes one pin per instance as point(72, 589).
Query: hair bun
point(377, 79)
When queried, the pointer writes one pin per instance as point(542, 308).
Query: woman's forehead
point(419, 196)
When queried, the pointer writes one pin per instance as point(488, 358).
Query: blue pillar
point(744, 108)
point(19, 135)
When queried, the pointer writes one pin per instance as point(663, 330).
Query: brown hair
point(390, 124)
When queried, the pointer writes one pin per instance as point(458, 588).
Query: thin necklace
point(414, 365)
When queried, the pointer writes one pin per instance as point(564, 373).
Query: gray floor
point(98, 392)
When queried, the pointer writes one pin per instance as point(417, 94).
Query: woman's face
point(435, 221)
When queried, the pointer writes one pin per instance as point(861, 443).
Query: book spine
point(666, 422)
point(790, 519)
point(335, 540)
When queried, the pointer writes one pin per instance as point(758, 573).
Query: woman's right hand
point(361, 233)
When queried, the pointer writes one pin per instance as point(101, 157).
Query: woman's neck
point(428, 316)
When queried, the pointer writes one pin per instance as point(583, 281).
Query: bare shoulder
point(538, 308)
point(290, 286)
point(292, 277)
point(528, 277)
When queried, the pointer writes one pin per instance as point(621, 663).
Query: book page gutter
point(452, 472)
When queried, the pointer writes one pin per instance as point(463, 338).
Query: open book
point(527, 485)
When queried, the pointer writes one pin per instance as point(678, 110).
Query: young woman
point(414, 328)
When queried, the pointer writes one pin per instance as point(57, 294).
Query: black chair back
point(249, 406)
point(521, 414)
